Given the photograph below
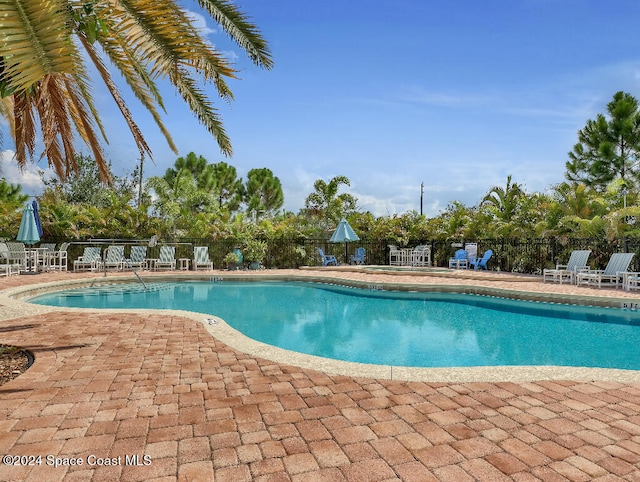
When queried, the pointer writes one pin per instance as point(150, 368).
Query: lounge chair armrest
point(582, 269)
point(561, 266)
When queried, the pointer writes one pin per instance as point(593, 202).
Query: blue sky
point(457, 95)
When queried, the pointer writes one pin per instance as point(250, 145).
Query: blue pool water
point(392, 328)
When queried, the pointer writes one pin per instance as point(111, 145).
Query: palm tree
point(44, 81)
point(327, 204)
point(580, 200)
point(503, 203)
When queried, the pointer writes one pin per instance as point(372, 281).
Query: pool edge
point(236, 340)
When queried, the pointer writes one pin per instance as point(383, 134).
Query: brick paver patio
point(155, 397)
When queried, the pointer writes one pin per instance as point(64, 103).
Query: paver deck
point(126, 396)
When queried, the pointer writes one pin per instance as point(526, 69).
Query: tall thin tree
point(609, 146)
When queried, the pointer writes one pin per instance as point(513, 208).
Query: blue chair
point(327, 259)
point(459, 260)
point(481, 262)
point(357, 258)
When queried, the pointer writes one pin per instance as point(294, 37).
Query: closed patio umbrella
point(36, 215)
point(28, 232)
point(344, 233)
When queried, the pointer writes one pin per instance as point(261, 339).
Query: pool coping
point(16, 300)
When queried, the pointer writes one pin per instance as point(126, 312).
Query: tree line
point(198, 199)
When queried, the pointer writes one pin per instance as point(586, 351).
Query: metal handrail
point(134, 272)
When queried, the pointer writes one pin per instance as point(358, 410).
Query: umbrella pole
point(346, 253)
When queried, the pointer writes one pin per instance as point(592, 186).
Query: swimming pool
point(391, 328)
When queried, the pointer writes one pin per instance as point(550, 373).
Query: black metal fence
point(512, 255)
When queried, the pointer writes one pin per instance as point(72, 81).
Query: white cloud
point(29, 178)
point(447, 99)
point(381, 206)
point(230, 55)
point(200, 23)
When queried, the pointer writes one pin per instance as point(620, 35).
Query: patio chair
point(327, 259)
point(17, 253)
point(137, 257)
point(395, 256)
point(44, 252)
point(7, 267)
point(357, 258)
point(167, 259)
point(48, 246)
point(421, 256)
point(611, 274)
point(630, 281)
point(201, 258)
point(114, 257)
point(90, 259)
point(57, 260)
point(481, 262)
point(459, 260)
point(472, 250)
point(577, 262)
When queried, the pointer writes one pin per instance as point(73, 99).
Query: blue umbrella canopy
point(36, 215)
point(28, 233)
point(344, 232)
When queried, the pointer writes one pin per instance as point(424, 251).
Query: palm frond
point(44, 85)
point(143, 147)
point(138, 79)
point(82, 119)
point(25, 129)
point(163, 36)
point(237, 25)
point(134, 72)
point(54, 121)
point(205, 112)
point(35, 40)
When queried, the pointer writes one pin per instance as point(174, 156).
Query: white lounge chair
point(167, 259)
point(472, 251)
point(577, 262)
point(90, 259)
point(114, 257)
point(612, 274)
point(137, 257)
point(201, 258)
